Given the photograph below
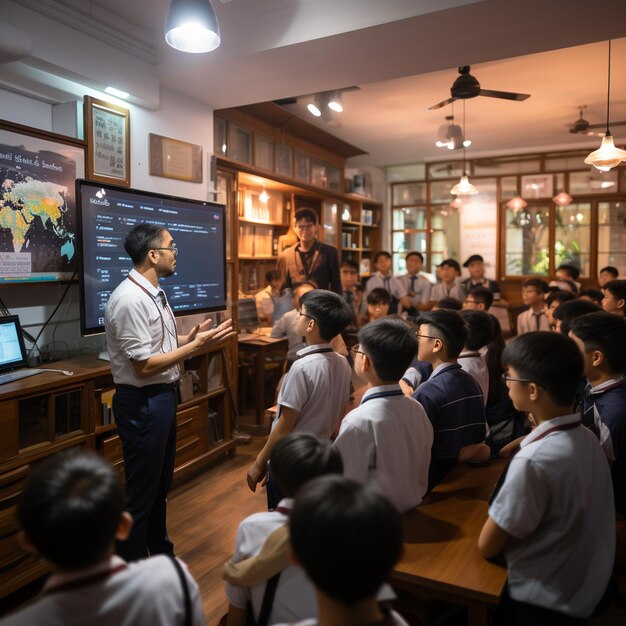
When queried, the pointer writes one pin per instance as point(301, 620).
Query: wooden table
point(261, 347)
point(441, 554)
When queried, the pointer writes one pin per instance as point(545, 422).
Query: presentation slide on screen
point(197, 230)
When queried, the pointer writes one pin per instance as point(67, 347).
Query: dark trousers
point(274, 494)
point(146, 423)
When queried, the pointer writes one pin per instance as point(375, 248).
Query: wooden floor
point(203, 516)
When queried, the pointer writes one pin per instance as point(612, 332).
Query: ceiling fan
point(466, 86)
point(582, 127)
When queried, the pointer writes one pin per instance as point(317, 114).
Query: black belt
point(157, 388)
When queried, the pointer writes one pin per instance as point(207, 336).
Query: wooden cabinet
point(47, 413)
point(361, 232)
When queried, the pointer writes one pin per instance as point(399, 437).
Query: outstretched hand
point(202, 336)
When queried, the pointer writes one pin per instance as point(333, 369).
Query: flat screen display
point(12, 351)
point(107, 213)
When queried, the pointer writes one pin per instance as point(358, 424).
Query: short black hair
point(379, 254)
point(572, 270)
point(271, 275)
point(300, 457)
point(538, 283)
point(595, 295)
point(347, 537)
point(551, 360)
point(305, 214)
point(559, 296)
point(329, 310)
point(449, 303)
point(617, 289)
point(351, 264)
point(567, 312)
point(479, 329)
point(415, 253)
point(448, 326)
point(141, 239)
point(482, 295)
point(71, 507)
point(390, 345)
point(378, 296)
point(609, 269)
point(605, 332)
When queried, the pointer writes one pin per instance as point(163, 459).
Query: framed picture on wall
point(171, 158)
point(38, 172)
point(107, 131)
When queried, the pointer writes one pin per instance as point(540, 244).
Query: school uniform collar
point(608, 384)
point(539, 431)
point(443, 367)
point(285, 506)
point(144, 282)
point(314, 348)
point(384, 276)
point(381, 391)
point(62, 579)
point(470, 354)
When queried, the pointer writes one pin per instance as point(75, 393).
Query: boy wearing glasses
point(451, 397)
point(316, 389)
point(386, 440)
point(310, 260)
point(553, 519)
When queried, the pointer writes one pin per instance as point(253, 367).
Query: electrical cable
point(56, 308)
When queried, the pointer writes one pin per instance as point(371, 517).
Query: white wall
point(180, 118)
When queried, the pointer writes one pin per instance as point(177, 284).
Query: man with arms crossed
point(145, 351)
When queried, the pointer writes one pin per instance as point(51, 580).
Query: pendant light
point(562, 199)
point(464, 187)
point(607, 155)
point(192, 26)
point(517, 202)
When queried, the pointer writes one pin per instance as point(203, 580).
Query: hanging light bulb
point(457, 203)
point(264, 196)
point(562, 198)
point(607, 155)
point(517, 203)
point(192, 26)
point(464, 187)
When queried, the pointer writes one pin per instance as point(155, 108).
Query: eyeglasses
point(507, 379)
point(468, 301)
point(420, 336)
point(305, 226)
point(173, 249)
point(305, 315)
point(354, 350)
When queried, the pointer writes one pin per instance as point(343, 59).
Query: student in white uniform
point(316, 389)
point(471, 359)
point(71, 512)
point(296, 459)
point(347, 537)
point(534, 292)
point(553, 518)
point(386, 440)
point(416, 287)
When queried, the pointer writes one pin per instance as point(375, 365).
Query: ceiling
point(402, 54)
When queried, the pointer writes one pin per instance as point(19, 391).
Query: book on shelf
point(106, 403)
point(215, 428)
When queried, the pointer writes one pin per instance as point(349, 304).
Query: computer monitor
point(12, 350)
point(247, 313)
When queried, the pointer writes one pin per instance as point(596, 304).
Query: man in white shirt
point(416, 287)
point(145, 350)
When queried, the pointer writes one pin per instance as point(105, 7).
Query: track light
point(313, 110)
point(192, 26)
point(335, 104)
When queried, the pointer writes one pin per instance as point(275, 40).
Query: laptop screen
point(247, 313)
point(12, 351)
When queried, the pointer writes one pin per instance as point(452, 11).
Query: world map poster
point(37, 208)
